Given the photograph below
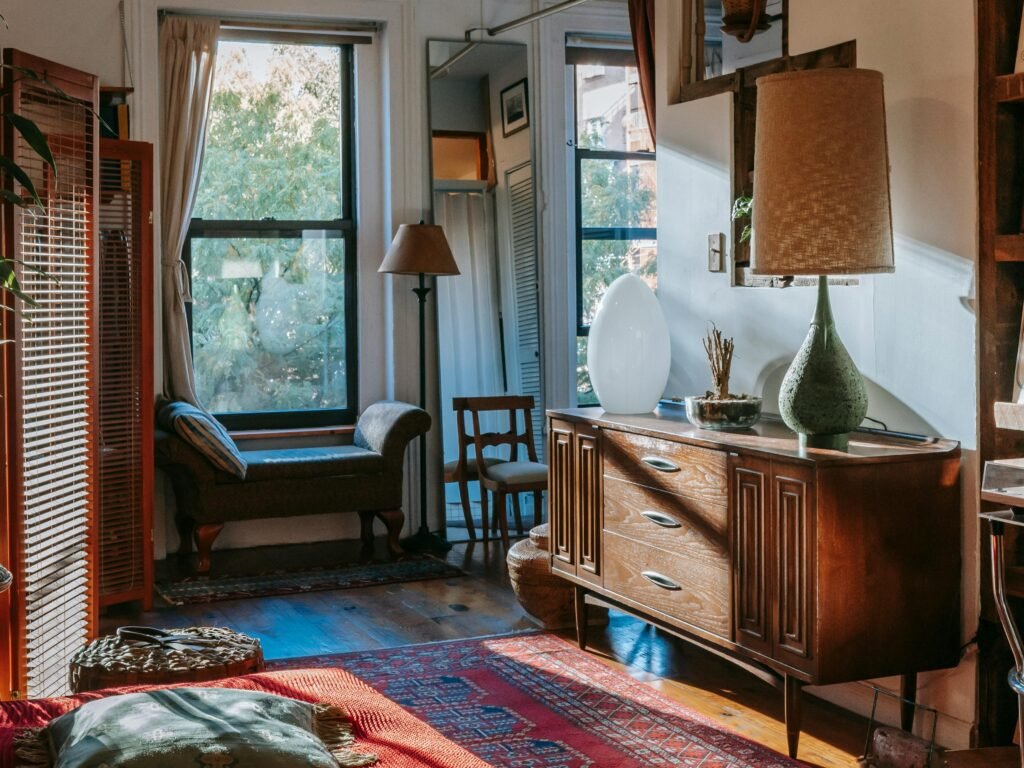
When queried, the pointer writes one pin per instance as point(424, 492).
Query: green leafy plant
point(37, 142)
point(743, 209)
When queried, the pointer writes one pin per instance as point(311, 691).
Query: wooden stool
point(113, 662)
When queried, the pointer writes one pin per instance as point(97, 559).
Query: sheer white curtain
point(188, 50)
point(469, 339)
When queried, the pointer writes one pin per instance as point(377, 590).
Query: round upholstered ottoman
point(149, 656)
point(546, 597)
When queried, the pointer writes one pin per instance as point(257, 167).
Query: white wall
point(911, 333)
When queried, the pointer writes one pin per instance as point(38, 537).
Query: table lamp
point(421, 249)
point(821, 207)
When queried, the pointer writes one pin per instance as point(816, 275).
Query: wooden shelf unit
point(1000, 295)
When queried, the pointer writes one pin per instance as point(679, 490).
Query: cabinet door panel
point(561, 446)
point(751, 570)
point(793, 496)
point(588, 503)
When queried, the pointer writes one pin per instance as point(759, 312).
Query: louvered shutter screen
point(523, 218)
point(125, 325)
point(48, 403)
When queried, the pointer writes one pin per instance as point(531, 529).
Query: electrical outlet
point(716, 252)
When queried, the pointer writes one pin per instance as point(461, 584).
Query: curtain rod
point(284, 25)
point(536, 16)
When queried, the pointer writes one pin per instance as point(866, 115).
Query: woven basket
point(109, 662)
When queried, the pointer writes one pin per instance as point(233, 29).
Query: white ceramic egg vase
point(628, 353)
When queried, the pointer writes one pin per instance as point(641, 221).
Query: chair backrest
point(514, 404)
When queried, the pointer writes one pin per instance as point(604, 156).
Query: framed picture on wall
point(515, 111)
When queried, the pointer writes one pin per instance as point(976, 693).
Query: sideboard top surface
point(768, 437)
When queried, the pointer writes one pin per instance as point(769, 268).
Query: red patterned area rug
point(536, 701)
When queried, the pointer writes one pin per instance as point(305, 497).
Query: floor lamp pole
point(423, 540)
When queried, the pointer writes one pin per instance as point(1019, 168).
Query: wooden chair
point(463, 470)
point(516, 475)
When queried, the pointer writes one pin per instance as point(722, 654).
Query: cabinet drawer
point(667, 520)
point(693, 588)
point(698, 473)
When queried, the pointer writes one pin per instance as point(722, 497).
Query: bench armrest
point(388, 427)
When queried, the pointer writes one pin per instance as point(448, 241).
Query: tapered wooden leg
point(793, 692)
point(393, 520)
point(538, 508)
point(467, 510)
point(502, 517)
point(205, 535)
point(484, 504)
point(517, 513)
point(908, 697)
point(500, 510)
point(580, 601)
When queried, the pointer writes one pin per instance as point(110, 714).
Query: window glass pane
point(268, 323)
point(273, 144)
point(618, 193)
point(609, 110)
point(605, 260)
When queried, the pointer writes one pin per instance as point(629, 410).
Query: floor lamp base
point(425, 541)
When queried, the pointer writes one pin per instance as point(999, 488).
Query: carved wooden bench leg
point(394, 520)
point(186, 529)
point(205, 535)
point(793, 692)
point(366, 533)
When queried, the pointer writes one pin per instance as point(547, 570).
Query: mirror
point(483, 196)
point(728, 35)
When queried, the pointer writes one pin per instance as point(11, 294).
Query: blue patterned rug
point(210, 589)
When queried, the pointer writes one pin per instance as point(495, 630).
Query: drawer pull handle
point(660, 464)
point(660, 518)
point(660, 581)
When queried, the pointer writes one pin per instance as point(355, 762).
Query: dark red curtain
point(641, 24)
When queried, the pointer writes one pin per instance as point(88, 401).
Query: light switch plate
point(716, 252)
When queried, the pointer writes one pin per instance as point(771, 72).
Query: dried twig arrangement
point(719, 352)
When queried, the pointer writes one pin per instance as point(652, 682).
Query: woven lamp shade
point(821, 178)
point(420, 249)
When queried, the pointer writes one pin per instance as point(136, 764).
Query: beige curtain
point(188, 49)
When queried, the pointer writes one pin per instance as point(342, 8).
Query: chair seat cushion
point(471, 465)
point(518, 472)
point(321, 461)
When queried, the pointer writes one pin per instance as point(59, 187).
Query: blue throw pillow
point(204, 433)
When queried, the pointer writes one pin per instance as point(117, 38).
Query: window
point(616, 224)
point(271, 246)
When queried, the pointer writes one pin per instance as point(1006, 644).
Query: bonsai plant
point(718, 408)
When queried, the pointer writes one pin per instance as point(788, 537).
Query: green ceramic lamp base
point(823, 397)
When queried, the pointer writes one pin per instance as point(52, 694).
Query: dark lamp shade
point(420, 249)
point(821, 175)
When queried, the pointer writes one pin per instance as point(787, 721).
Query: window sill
point(265, 434)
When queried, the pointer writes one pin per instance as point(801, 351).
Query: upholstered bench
point(364, 476)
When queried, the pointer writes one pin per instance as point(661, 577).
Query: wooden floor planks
point(482, 603)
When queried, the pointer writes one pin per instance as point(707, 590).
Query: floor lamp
point(421, 249)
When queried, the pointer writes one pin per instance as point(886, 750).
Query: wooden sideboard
point(811, 567)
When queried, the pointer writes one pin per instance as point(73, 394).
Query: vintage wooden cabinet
point(818, 567)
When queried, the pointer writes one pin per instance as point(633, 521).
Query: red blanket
point(382, 727)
